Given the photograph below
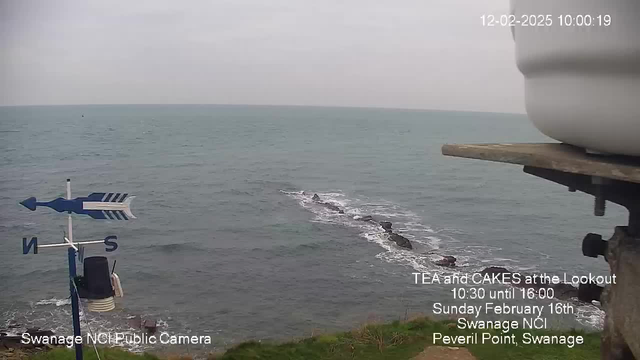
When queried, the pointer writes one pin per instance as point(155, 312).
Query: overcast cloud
point(430, 54)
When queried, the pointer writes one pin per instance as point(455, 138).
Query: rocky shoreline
point(10, 338)
point(562, 291)
point(400, 240)
point(12, 346)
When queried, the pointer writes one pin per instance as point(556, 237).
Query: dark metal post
point(634, 221)
point(74, 302)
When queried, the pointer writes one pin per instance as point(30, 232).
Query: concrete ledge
point(555, 156)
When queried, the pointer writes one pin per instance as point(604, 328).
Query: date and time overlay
point(547, 20)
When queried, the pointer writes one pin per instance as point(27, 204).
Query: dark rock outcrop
point(446, 261)
point(400, 241)
point(150, 326)
point(386, 225)
point(135, 322)
point(495, 270)
point(565, 291)
point(366, 218)
point(589, 292)
point(329, 206)
point(15, 341)
point(39, 332)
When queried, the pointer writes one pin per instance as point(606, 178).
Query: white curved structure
point(582, 83)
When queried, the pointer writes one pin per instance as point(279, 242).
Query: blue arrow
point(96, 205)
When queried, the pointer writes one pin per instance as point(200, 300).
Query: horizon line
point(270, 105)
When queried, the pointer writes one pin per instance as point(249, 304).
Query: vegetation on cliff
point(397, 340)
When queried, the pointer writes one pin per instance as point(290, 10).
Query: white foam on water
point(54, 314)
point(453, 231)
point(531, 268)
point(292, 192)
point(590, 316)
point(392, 211)
point(434, 242)
point(505, 260)
point(405, 222)
point(418, 227)
point(54, 301)
point(425, 239)
point(163, 324)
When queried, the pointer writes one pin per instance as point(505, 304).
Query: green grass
point(397, 340)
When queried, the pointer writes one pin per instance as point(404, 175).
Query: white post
point(75, 312)
point(69, 221)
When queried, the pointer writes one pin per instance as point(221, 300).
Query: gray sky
point(432, 54)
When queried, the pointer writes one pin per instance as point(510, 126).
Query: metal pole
point(72, 274)
point(69, 221)
point(74, 302)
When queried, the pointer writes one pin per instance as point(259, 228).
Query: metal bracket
point(623, 193)
point(621, 335)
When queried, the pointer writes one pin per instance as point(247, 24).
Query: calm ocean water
point(226, 245)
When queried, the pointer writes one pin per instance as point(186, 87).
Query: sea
point(227, 242)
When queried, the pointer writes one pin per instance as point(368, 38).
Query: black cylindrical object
point(97, 277)
point(593, 246)
point(589, 292)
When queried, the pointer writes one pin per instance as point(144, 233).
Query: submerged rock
point(39, 332)
point(566, 292)
point(135, 322)
point(9, 342)
point(386, 225)
point(150, 326)
point(400, 241)
point(331, 206)
point(328, 205)
point(589, 292)
point(495, 270)
point(446, 261)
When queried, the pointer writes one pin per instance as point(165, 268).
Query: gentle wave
point(54, 301)
point(175, 247)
